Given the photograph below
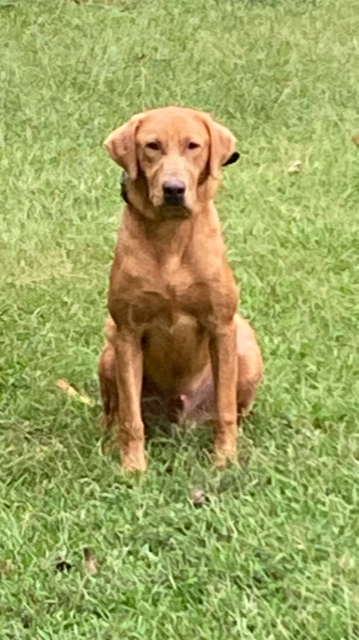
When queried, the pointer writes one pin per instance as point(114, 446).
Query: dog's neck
point(164, 235)
point(168, 237)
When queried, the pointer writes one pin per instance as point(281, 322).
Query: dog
point(174, 335)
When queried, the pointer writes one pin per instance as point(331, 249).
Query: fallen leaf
point(89, 562)
point(6, 567)
point(70, 391)
point(294, 167)
point(346, 562)
point(199, 498)
point(62, 565)
point(355, 139)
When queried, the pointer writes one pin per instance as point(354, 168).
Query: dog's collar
point(123, 188)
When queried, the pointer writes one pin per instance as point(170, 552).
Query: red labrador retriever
point(174, 333)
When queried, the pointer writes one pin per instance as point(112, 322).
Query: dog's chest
point(145, 290)
point(170, 296)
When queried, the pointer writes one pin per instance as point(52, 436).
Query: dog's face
point(172, 152)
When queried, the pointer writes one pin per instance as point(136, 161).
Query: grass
point(273, 554)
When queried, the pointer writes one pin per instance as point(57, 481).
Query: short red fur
point(174, 333)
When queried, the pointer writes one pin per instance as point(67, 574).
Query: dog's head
point(173, 158)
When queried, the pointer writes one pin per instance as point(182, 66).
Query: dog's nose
point(173, 191)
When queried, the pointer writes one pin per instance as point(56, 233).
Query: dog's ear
point(222, 147)
point(121, 145)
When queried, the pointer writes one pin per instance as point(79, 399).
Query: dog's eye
point(153, 145)
point(193, 145)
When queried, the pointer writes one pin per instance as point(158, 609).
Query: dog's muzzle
point(173, 193)
point(173, 206)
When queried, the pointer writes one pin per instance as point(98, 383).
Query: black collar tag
point(232, 159)
point(123, 189)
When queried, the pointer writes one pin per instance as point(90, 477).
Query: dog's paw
point(134, 459)
point(224, 455)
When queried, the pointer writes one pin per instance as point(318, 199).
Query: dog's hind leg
point(107, 376)
point(108, 387)
point(199, 401)
point(250, 366)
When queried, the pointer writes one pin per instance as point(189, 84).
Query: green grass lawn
point(273, 553)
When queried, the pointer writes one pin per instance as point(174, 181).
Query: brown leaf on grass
point(294, 167)
point(6, 567)
point(355, 139)
point(89, 562)
point(199, 498)
point(70, 391)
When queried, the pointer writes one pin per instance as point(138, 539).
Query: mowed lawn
point(272, 553)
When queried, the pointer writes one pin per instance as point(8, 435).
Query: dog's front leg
point(129, 371)
point(225, 370)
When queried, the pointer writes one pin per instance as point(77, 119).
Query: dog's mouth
point(172, 207)
point(173, 200)
point(173, 212)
